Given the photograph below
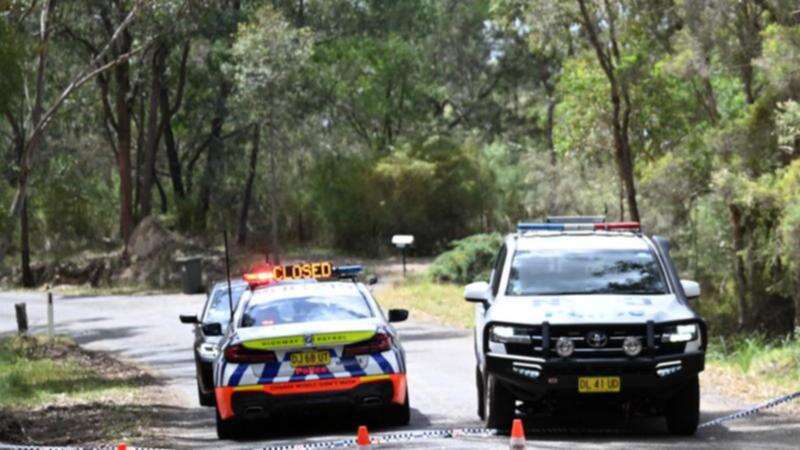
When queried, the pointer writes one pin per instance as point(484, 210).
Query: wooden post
point(22, 318)
point(50, 324)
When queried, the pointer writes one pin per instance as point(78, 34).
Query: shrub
point(468, 260)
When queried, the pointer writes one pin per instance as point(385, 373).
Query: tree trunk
point(173, 159)
point(123, 113)
point(273, 200)
point(24, 164)
point(552, 199)
point(151, 148)
point(241, 235)
point(739, 266)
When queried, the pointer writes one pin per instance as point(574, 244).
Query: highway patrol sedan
point(326, 344)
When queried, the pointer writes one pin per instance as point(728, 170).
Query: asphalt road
point(145, 329)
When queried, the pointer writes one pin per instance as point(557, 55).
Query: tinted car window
point(560, 272)
point(307, 309)
point(219, 307)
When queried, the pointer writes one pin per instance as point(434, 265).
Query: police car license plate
point(589, 385)
point(308, 359)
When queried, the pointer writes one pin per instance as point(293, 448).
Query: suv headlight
point(509, 335)
point(680, 333)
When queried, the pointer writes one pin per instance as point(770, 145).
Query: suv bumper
point(533, 378)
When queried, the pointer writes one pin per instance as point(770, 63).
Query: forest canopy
point(342, 122)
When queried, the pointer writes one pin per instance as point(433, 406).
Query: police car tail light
point(240, 354)
point(381, 342)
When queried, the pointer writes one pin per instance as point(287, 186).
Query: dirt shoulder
point(56, 393)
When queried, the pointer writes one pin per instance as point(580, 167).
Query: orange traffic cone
point(517, 435)
point(362, 440)
point(122, 446)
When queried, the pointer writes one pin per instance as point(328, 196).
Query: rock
point(150, 237)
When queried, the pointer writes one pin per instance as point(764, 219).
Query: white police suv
point(580, 314)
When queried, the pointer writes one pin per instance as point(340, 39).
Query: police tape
point(388, 438)
point(752, 410)
point(445, 433)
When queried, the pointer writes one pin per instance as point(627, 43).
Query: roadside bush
point(470, 259)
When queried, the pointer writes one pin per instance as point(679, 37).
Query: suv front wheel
point(683, 410)
point(499, 404)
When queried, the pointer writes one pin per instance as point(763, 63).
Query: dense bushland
point(310, 122)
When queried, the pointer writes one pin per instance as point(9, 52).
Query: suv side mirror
point(477, 292)
point(373, 280)
point(188, 319)
point(398, 315)
point(691, 289)
point(212, 329)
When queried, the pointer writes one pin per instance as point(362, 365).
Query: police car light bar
point(610, 226)
point(348, 271)
point(323, 270)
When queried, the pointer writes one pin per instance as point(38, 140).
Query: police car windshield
point(581, 272)
point(310, 308)
point(219, 306)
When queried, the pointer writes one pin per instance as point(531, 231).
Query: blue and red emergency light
point(603, 226)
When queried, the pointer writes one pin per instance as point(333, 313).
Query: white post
point(50, 326)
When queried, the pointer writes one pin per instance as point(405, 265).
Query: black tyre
point(399, 415)
point(683, 410)
point(500, 405)
point(205, 399)
point(228, 429)
point(479, 387)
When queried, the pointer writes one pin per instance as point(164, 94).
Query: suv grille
point(611, 348)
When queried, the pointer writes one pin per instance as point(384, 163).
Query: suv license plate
point(308, 359)
point(590, 385)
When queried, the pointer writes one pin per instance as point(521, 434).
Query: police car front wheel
point(683, 410)
point(499, 404)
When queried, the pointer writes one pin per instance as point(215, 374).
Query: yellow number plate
point(308, 359)
point(589, 385)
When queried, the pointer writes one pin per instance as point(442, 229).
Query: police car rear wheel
point(399, 415)
point(500, 404)
point(228, 429)
point(205, 399)
point(683, 410)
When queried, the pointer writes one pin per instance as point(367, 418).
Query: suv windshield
point(564, 272)
point(306, 309)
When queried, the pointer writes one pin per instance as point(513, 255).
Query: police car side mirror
point(188, 319)
point(691, 289)
point(477, 292)
point(398, 315)
point(212, 329)
point(372, 281)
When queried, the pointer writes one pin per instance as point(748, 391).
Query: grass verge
point(755, 368)
point(53, 392)
point(429, 300)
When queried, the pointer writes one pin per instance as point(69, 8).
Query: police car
point(581, 314)
point(209, 327)
point(317, 344)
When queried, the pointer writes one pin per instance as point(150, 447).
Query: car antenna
point(228, 274)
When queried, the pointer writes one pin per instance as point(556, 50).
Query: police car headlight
point(208, 351)
point(681, 333)
point(564, 347)
point(632, 346)
point(509, 335)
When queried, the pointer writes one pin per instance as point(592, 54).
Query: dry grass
point(440, 302)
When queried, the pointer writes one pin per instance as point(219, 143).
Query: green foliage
point(777, 360)
point(470, 259)
point(11, 59)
